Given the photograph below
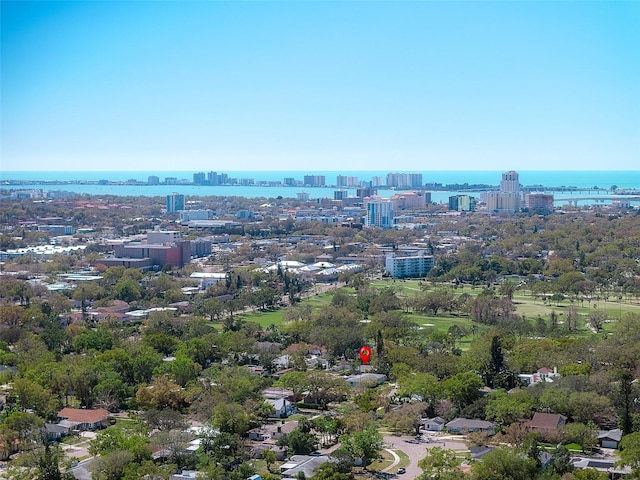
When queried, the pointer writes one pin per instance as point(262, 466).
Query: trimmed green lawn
point(525, 303)
point(265, 318)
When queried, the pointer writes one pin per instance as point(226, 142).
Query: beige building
point(404, 200)
point(503, 201)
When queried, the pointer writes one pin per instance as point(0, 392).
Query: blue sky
point(324, 85)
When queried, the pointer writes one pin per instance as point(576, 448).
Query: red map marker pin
point(365, 354)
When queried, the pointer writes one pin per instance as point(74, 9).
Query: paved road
point(417, 450)
point(81, 471)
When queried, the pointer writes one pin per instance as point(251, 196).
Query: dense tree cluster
point(187, 360)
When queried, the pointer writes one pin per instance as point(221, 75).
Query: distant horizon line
point(336, 170)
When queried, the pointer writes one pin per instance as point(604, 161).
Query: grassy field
point(265, 318)
point(526, 304)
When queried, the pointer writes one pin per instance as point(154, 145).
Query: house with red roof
point(546, 422)
point(81, 419)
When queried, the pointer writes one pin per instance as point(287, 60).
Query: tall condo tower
point(175, 202)
point(379, 213)
point(510, 182)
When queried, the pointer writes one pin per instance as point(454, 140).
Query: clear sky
point(322, 85)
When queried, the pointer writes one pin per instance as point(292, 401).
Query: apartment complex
point(404, 180)
point(379, 213)
point(346, 181)
point(417, 265)
point(539, 202)
point(508, 199)
point(462, 203)
point(175, 202)
point(314, 180)
point(510, 182)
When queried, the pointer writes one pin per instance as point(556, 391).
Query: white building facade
point(409, 266)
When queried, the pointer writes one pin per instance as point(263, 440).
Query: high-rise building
point(508, 198)
point(214, 178)
point(199, 178)
point(365, 192)
point(314, 180)
point(153, 180)
point(510, 182)
point(346, 181)
point(379, 213)
point(462, 203)
point(404, 180)
point(175, 202)
point(503, 201)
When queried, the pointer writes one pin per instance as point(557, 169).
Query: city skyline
point(317, 86)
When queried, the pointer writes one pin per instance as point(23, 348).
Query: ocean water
point(552, 178)
point(580, 179)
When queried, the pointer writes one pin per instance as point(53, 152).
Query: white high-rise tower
point(510, 182)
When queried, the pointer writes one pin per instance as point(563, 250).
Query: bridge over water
point(596, 200)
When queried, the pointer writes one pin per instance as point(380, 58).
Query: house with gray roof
point(603, 465)
point(283, 407)
point(272, 430)
point(609, 438)
point(467, 425)
point(435, 424)
point(478, 452)
point(366, 379)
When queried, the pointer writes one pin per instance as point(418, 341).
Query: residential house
point(160, 454)
point(83, 419)
point(435, 424)
point(317, 363)
point(272, 431)
point(257, 451)
point(8, 368)
point(185, 475)
point(283, 407)
point(466, 425)
point(282, 362)
point(194, 445)
point(478, 452)
point(278, 392)
point(546, 422)
point(545, 459)
point(609, 438)
point(366, 379)
point(603, 465)
point(542, 375)
point(55, 431)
